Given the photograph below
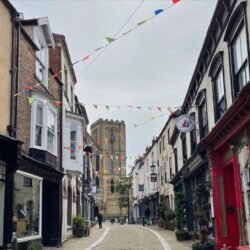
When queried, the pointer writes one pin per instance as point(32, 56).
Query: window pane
point(219, 86)
point(51, 137)
point(38, 136)
point(26, 207)
point(243, 41)
point(73, 144)
point(51, 121)
point(39, 115)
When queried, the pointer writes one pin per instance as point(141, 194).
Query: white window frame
point(47, 105)
point(42, 64)
point(40, 179)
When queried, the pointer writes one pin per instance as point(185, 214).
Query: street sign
point(185, 123)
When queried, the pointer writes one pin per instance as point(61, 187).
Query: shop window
point(112, 186)
point(73, 143)
point(27, 206)
point(69, 206)
point(236, 37)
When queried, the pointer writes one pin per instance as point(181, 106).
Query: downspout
point(14, 77)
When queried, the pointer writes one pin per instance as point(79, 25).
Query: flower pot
point(78, 232)
point(181, 236)
point(200, 247)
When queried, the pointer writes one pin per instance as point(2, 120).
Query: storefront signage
point(153, 177)
point(185, 123)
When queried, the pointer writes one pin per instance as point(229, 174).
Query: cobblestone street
point(127, 237)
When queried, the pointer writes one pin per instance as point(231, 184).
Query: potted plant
point(78, 226)
point(180, 233)
point(161, 215)
point(201, 199)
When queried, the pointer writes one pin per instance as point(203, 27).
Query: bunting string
point(110, 40)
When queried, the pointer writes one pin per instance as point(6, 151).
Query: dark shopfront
point(36, 203)
point(9, 159)
point(194, 172)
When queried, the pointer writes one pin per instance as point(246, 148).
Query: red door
point(230, 206)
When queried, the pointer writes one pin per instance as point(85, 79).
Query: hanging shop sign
point(141, 188)
point(153, 177)
point(185, 123)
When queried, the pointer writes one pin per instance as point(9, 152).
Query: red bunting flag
point(175, 1)
point(58, 103)
point(85, 58)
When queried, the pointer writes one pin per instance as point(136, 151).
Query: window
point(97, 162)
point(184, 147)
point(73, 142)
point(193, 136)
point(69, 206)
point(43, 125)
point(216, 73)
point(51, 131)
point(236, 36)
point(112, 186)
point(202, 112)
point(27, 181)
point(66, 80)
point(165, 169)
point(39, 125)
point(176, 160)
point(97, 181)
point(170, 167)
point(41, 60)
point(160, 147)
point(27, 206)
point(219, 98)
point(163, 142)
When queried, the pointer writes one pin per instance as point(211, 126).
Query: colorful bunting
point(142, 22)
point(157, 12)
point(58, 103)
point(110, 39)
point(30, 100)
point(159, 108)
point(85, 58)
point(95, 106)
point(175, 1)
point(107, 107)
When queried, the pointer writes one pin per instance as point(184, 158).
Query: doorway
point(230, 207)
point(1, 211)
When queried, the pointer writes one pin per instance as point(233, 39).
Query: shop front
point(228, 146)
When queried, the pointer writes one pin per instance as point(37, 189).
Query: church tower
point(110, 162)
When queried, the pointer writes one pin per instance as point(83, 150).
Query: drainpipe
point(14, 77)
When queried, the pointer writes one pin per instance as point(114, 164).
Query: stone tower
point(110, 163)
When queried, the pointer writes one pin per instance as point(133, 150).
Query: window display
point(26, 205)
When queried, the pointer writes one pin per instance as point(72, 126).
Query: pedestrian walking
point(99, 216)
point(147, 214)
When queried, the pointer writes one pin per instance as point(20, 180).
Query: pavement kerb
point(164, 244)
point(97, 242)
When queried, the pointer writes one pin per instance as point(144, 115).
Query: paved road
point(126, 237)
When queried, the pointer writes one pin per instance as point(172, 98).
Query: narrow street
point(127, 237)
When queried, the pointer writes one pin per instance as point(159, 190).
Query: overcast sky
point(151, 66)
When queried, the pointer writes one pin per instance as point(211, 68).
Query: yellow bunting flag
point(106, 140)
point(101, 157)
point(142, 22)
point(30, 99)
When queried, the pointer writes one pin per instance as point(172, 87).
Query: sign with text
point(153, 177)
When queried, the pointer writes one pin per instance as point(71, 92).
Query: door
point(1, 211)
point(230, 206)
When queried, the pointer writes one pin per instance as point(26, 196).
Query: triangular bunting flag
point(98, 48)
point(157, 12)
point(58, 103)
point(110, 39)
point(142, 22)
point(107, 107)
point(95, 106)
point(159, 108)
point(30, 99)
point(175, 1)
point(126, 32)
point(85, 58)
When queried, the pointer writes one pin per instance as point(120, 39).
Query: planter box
point(78, 232)
point(181, 236)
